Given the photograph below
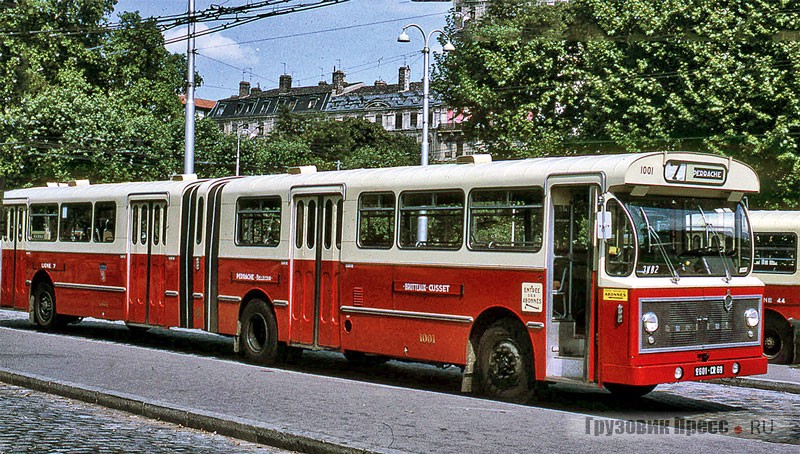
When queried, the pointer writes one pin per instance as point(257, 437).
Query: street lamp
point(448, 47)
point(422, 220)
point(238, 144)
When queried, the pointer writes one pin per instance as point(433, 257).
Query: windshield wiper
point(709, 228)
point(651, 234)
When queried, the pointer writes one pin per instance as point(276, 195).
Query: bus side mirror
point(603, 225)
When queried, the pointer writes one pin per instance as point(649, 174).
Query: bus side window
point(502, 219)
point(199, 224)
point(104, 221)
point(44, 222)
point(8, 224)
point(376, 214)
point(258, 221)
point(620, 247)
point(440, 213)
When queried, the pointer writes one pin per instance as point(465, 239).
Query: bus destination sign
point(697, 173)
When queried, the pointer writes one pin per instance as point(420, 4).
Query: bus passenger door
point(315, 281)
point(13, 271)
point(571, 227)
point(146, 275)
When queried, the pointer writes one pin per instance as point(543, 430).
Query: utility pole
point(188, 158)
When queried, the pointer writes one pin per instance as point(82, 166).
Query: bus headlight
point(751, 317)
point(650, 322)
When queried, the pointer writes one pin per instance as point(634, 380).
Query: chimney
point(244, 89)
point(380, 83)
point(404, 79)
point(285, 83)
point(338, 81)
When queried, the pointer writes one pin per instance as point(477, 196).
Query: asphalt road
point(394, 407)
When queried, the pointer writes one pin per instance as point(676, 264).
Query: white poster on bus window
point(532, 299)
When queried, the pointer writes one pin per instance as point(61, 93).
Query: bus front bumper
point(685, 371)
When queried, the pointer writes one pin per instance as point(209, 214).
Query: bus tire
point(259, 333)
point(628, 392)
point(44, 306)
point(778, 339)
point(504, 363)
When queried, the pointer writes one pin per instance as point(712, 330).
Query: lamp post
point(426, 50)
point(239, 143)
point(422, 220)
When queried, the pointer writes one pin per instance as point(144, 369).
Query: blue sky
point(359, 36)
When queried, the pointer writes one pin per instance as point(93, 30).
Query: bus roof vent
point(79, 183)
point(474, 159)
point(301, 170)
point(184, 177)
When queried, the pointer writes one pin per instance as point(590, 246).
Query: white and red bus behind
point(776, 264)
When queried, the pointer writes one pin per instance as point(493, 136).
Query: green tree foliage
point(594, 76)
point(84, 101)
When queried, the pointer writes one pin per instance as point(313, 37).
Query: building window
point(398, 120)
point(441, 213)
point(376, 220)
point(258, 221)
point(414, 120)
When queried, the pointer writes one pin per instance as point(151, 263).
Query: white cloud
point(213, 45)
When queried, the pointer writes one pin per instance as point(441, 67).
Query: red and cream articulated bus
point(571, 269)
point(775, 263)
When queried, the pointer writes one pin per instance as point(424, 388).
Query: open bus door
point(316, 251)
point(570, 334)
point(147, 260)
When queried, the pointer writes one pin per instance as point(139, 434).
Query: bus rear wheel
point(259, 333)
point(778, 342)
point(44, 306)
point(504, 367)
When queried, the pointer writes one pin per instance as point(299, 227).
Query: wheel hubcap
point(505, 365)
point(772, 344)
point(45, 307)
point(257, 334)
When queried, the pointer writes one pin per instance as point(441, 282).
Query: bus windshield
point(684, 236)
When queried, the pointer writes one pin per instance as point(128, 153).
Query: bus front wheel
point(44, 301)
point(505, 363)
point(259, 333)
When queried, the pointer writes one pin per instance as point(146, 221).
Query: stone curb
point(758, 383)
point(209, 422)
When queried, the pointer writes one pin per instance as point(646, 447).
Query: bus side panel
point(303, 302)
point(158, 265)
point(21, 290)
point(783, 299)
point(138, 291)
point(237, 277)
point(329, 334)
point(7, 277)
point(197, 297)
point(453, 293)
point(172, 308)
point(104, 272)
